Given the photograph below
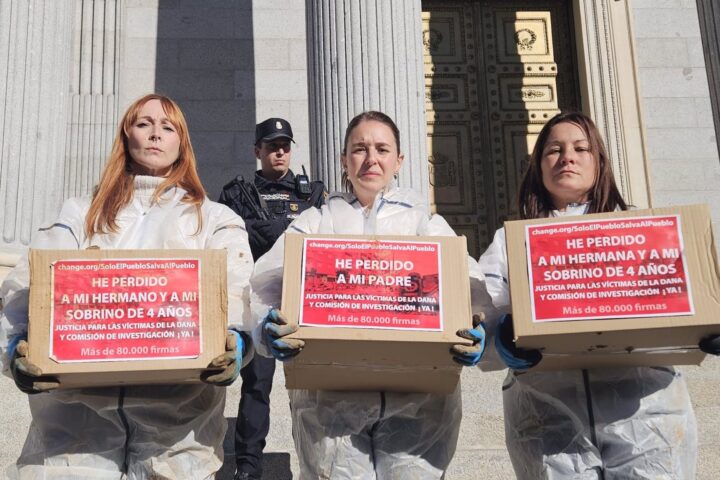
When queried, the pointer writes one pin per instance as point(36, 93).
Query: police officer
point(267, 205)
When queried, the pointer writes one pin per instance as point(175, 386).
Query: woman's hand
point(470, 355)
point(276, 327)
point(28, 377)
point(230, 361)
point(514, 357)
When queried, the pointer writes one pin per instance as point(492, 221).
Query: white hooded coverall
point(143, 432)
point(600, 424)
point(366, 435)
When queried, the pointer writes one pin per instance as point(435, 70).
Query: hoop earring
point(346, 185)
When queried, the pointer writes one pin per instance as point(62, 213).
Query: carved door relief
point(495, 72)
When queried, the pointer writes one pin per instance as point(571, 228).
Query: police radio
point(302, 184)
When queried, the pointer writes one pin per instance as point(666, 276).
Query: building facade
point(470, 83)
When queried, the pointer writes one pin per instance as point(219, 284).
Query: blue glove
point(710, 344)
point(276, 327)
point(28, 377)
point(12, 345)
point(470, 355)
point(230, 361)
point(514, 357)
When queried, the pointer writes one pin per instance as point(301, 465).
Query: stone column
point(609, 82)
point(34, 59)
point(709, 15)
point(366, 55)
point(93, 114)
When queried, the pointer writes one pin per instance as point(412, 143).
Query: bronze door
point(495, 72)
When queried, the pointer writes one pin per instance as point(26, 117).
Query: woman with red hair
point(149, 197)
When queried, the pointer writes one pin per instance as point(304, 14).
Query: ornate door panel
point(495, 72)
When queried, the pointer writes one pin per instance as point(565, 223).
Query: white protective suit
point(155, 431)
point(599, 424)
point(366, 435)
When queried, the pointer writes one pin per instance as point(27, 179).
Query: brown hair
point(370, 115)
point(115, 189)
point(534, 200)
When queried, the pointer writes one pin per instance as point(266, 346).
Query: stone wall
point(229, 64)
point(680, 134)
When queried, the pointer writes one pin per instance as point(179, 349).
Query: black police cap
point(271, 129)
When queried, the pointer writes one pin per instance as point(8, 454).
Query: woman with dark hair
point(149, 197)
point(604, 423)
point(536, 200)
point(366, 435)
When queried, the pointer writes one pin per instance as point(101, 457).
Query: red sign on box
point(371, 284)
point(629, 267)
point(126, 309)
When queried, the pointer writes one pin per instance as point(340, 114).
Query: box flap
point(376, 358)
point(210, 300)
point(639, 331)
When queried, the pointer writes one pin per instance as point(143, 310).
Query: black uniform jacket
point(284, 203)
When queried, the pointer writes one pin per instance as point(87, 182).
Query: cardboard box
point(603, 306)
point(348, 347)
point(126, 317)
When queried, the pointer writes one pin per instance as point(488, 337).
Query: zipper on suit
point(375, 426)
point(123, 419)
point(591, 419)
